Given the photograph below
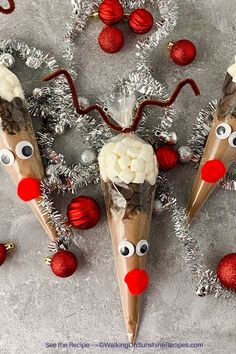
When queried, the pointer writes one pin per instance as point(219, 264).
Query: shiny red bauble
point(111, 39)
point(110, 11)
point(226, 271)
point(83, 212)
point(183, 52)
point(166, 157)
point(140, 21)
point(63, 264)
point(3, 253)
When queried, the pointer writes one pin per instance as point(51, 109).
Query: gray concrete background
point(35, 306)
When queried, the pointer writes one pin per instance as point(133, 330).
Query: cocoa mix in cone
point(220, 149)
point(19, 151)
point(129, 170)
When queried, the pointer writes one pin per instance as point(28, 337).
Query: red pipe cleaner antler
point(138, 115)
point(10, 9)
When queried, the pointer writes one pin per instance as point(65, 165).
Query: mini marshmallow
point(120, 148)
point(129, 159)
point(151, 179)
point(13, 80)
point(232, 70)
point(146, 153)
point(133, 152)
point(137, 165)
point(102, 164)
point(126, 176)
point(124, 162)
point(111, 159)
point(110, 147)
point(149, 167)
point(8, 96)
point(117, 169)
point(9, 82)
point(138, 144)
point(111, 173)
point(139, 177)
point(18, 92)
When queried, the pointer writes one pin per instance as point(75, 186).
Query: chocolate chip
point(17, 116)
point(126, 192)
point(18, 103)
point(228, 80)
point(230, 89)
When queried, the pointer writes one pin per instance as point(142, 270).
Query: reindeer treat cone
point(19, 151)
point(129, 171)
point(220, 150)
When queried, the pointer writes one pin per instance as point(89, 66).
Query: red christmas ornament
point(183, 52)
point(137, 281)
point(28, 189)
point(111, 39)
point(140, 21)
point(212, 171)
point(110, 11)
point(3, 253)
point(63, 264)
point(83, 212)
point(226, 271)
point(166, 157)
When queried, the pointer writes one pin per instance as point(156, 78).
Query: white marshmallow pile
point(10, 86)
point(232, 70)
point(128, 158)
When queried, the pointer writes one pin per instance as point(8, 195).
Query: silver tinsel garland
point(53, 106)
point(84, 9)
point(201, 128)
point(60, 113)
point(169, 15)
point(58, 221)
point(207, 281)
point(35, 58)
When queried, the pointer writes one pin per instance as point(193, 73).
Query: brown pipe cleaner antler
point(138, 115)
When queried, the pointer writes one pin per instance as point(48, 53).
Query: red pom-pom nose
point(28, 189)
point(212, 171)
point(137, 281)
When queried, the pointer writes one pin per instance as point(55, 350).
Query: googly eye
point(24, 150)
point(142, 248)
point(223, 131)
point(126, 249)
point(232, 139)
point(6, 157)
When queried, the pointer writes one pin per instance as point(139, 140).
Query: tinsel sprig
point(206, 280)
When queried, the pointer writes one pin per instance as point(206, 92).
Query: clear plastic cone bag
point(129, 171)
point(220, 149)
point(19, 152)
